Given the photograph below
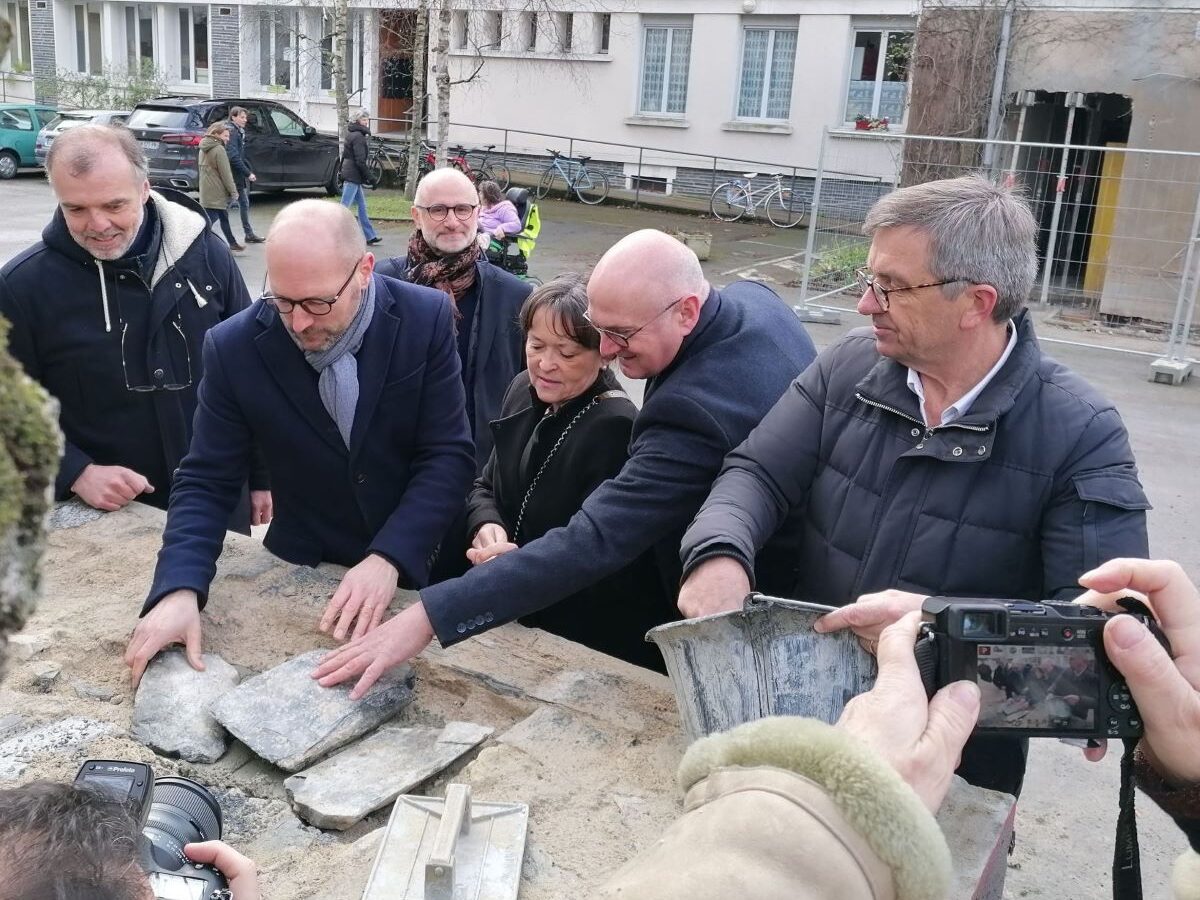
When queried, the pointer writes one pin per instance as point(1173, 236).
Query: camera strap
point(1127, 864)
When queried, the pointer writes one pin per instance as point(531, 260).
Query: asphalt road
point(1068, 811)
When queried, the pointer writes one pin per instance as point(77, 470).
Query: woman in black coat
point(564, 429)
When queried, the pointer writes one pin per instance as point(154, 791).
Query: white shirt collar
point(963, 404)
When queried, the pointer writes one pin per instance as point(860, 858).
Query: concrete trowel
point(450, 848)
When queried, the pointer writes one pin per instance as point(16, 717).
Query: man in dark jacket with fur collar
point(109, 312)
point(938, 452)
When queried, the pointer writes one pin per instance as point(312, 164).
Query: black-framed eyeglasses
point(865, 279)
point(169, 386)
point(622, 339)
point(439, 211)
point(314, 306)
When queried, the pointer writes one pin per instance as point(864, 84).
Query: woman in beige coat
point(217, 187)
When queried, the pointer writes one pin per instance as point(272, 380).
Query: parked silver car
point(69, 118)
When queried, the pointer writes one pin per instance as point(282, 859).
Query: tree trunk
point(441, 65)
point(341, 27)
point(416, 128)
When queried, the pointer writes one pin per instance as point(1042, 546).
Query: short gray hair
point(361, 114)
point(79, 148)
point(977, 232)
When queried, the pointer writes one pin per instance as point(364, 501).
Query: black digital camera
point(171, 812)
point(1040, 667)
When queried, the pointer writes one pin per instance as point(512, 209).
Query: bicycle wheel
point(543, 187)
point(780, 209)
point(728, 202)
point(374, 171)
point(497, 173)
point(591, 187)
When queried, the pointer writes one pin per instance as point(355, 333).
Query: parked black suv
point(283, 150)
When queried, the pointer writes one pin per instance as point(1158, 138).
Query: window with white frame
point(460, 29)
point(493, 23)
point(530, 31)
point(89, 48)
point(768, 66)
point(193, 44)
point(603, 29)
point(20, 50)
point(277, 40)
point(139, 38)
point(879, 70)
point(564, 27)
point(666, 57)
point(354, 52)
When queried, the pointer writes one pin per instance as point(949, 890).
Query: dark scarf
point(452, 274)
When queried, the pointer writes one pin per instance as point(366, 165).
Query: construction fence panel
point(1117, 227)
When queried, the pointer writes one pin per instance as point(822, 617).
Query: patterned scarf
point(452, 274)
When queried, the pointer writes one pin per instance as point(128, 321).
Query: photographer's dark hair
point(564, 297)
point(62, 842)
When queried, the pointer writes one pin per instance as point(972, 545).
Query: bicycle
point(383, 157)
point(590, 186)
point(485, 171)
point(734, 199)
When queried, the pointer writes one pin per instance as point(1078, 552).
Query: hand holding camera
point(1166, 689)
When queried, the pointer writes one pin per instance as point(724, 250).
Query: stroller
point(511, 253)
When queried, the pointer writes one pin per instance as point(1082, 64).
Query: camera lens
point(183, 812)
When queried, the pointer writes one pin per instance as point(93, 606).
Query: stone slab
point(346, 788)
point(85, 690)
point(64, 736)
point(171, 710)
point(978, 825)
point(45, 675)
point(289, 720)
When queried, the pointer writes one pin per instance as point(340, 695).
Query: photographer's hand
point(870, 614)
point(921, 740)
point(1166, 690)
point(175, 619)
point(239, 871)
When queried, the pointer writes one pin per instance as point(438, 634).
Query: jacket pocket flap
point(1112, 488)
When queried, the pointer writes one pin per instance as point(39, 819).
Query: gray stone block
point(346, 788)
point(65, 736)
point(71, 514)
point(288, 719)
point(87, 691)
point(171, 710)
point(45, 675)
point(978, 824)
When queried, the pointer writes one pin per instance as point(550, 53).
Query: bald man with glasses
point(349, 383)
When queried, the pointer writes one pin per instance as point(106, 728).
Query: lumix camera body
point(1040, 667)
point(171, 812)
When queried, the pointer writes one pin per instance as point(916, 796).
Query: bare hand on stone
point(365, 592)
point(262, 508)
point(717, 585)
point(109, 487)
point(368, 657)
point(175, 619)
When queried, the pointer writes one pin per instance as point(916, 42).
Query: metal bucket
point(762, 660)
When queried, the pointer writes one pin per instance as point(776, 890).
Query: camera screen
point(177, 887)
point(1037, 687)
point(115, 787)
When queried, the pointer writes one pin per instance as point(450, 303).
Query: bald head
point(440, 181)
point(80, 150)
point(317, 227)
point(651, 263)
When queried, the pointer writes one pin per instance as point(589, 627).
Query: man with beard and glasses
point(349, 383)
point(108, 313)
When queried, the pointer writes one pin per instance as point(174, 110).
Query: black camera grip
point(926, 654)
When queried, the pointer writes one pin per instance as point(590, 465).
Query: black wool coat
point(612, 615)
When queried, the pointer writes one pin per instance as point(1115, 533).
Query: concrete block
point(64, 736)
point(346, 788)
point(26, 646)
point(171, 710)
point(978, 825)
point(288, 719)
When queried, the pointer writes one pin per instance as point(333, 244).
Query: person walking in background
point(354, 171)
point(243, 175)
point(217, 188)
point(497, 216)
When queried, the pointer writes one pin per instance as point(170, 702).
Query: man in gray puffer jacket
point(937, 452)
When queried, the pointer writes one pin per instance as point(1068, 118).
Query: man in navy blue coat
point(349, 383)
point(716, 362)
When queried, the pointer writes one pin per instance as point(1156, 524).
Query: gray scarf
point(338, 384)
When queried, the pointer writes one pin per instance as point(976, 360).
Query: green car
point(19, 127)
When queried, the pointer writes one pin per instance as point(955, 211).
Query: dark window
point(158, 117)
